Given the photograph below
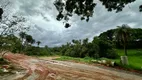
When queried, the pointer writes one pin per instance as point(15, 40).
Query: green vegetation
point(122, 36)
point(107, 46)
point(85, 8)
point(83, 60)
point(101, 47)
point(82, 48)
point(134, 57)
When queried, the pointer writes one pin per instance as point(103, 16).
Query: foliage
point(84, 60)
point(38, 43)
point(122, 36)
point(135, 60)
point(38, 51)
point(101, 46)
point(26, 40)
point(8, 43)
point(112, 54)
point(85, 8)
point(134, 42)
point(95, 49)
point(9, 25)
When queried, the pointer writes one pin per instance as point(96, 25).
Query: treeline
point(95, 49)
point(19, 44)
point(135, 40)
point(23, 44)
point(103, 45)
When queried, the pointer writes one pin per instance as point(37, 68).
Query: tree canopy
point(85, 8)
point(135, 40)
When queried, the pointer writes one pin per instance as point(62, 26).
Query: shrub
point(112, 54)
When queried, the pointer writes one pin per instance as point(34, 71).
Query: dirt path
point(35, 69)
point(39, 69)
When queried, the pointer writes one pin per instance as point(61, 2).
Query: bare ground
point(47, 69)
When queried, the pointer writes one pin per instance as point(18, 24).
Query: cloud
point(51, 32)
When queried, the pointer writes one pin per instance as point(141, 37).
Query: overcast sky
point(51, 32)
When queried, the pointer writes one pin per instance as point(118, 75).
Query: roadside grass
point(83, 60)
point(134, 58)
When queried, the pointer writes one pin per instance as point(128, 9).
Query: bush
point(96, 55)
point(112, 54)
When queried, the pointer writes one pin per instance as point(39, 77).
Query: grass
point(134, 58)
point(83, 60)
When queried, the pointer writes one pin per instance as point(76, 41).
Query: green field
point(134, 58)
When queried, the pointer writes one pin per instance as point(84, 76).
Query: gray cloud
point(51, 32)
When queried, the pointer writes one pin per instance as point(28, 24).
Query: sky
point(45, 28)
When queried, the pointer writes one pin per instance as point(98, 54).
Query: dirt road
point(46, 69)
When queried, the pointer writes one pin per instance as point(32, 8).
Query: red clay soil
point(37, 70)
point(32, 65)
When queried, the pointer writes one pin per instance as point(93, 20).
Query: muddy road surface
point(48, 69)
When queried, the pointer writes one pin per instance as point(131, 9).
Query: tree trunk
point(21, 46)
point(125, 49)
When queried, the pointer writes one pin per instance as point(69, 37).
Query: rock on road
point(39, 69)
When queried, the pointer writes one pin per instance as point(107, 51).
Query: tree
point(38, 43)
point(22, 35)
point(108, 35)
point(135, 41)
point(85, 8)
point(9, 43)
point(122, 35)
point(9, 25)
point(105, 48)
point(85, 41)
point(33, 41)
point(29, 39)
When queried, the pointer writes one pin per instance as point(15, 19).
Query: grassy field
point(134, 58)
